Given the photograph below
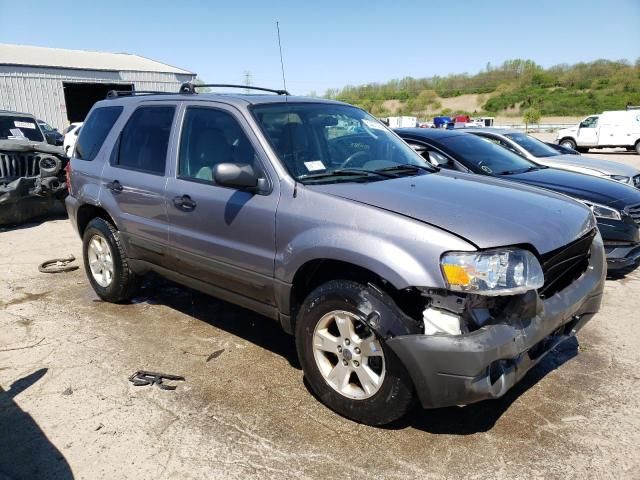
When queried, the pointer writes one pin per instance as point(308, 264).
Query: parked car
point(442, 122)
point(397, 281)
point(562, 149)
point(609, 129)
point(533, 149)
point(31, 171)
point(53, 136)
point(70, 137)
point(616, 206)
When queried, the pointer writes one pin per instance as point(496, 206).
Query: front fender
point(399, 266)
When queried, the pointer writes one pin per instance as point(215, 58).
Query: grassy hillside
point(506, 90)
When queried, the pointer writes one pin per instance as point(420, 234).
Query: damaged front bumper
point(31, 181)
point(450, 370)
point(621, 255)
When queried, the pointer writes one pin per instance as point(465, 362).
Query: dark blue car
point(616, 206)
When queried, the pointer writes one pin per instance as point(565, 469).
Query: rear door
point(220, 235)
point(134, 181)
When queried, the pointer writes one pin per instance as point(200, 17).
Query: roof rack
point(111, 94)
point(190, 88)
point(633, 107)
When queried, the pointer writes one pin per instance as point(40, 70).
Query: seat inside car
point(208, 149)
point(293, 146)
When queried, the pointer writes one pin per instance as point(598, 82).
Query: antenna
point(284, 81)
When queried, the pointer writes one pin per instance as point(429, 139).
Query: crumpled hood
point(485, 211)
point(28, 146)
point(604, 167)
point(578, 185)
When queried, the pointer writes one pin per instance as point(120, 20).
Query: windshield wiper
point(406, 166)
point(522, 170)
point(351, 172)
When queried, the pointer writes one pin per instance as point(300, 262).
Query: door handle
point(115, 186)
point(184, 203)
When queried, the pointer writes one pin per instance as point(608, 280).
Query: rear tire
point(638, 147)
point(346, 365)
point(569, 143)
point(106, 263)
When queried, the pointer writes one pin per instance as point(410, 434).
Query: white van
point(609, 129)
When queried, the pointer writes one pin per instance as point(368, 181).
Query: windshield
point(482, 154)
point(19, 128)
point(532, 145)
point(322, 142)
point(46, 127)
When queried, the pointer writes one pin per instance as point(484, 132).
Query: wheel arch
point(88, 212)
point(567, 137)
point(316, 272)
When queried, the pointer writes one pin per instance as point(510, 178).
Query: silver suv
point(397, 280)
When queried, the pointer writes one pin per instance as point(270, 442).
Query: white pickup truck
point(607, 130)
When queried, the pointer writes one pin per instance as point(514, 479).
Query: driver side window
point(503, 144)
point(211, 137)
point(432, 156)
point(590, 122)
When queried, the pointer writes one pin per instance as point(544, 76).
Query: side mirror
point(50, 139)
point(236, 175)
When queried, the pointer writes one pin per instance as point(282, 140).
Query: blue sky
point(332, 43)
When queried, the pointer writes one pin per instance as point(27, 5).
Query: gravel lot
point(67, 409)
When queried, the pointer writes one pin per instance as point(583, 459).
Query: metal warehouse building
point(60, 86)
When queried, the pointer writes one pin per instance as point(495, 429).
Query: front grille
point(636, 181)
point(15, 165)
point(564, 265)
point(634, 211)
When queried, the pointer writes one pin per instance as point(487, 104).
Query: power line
point(247, 79)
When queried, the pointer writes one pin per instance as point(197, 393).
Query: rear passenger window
point(94, 132)
point(145, 138)
point(210, 137)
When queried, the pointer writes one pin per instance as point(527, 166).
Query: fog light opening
point(496, 371)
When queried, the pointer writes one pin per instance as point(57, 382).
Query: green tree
point(531, 115)
point(198, 81)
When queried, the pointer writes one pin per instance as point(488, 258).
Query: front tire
point(106, 263)
point(347, 366)
point(569, 143)
point(637, 148)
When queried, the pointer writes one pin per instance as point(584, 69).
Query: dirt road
point(67, 409)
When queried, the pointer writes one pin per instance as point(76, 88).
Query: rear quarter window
point(95, 131)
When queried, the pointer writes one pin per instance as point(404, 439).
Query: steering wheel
point(353, 157)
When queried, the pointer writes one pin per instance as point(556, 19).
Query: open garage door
point(80, 97)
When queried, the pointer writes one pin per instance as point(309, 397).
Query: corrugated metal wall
point(39, 90)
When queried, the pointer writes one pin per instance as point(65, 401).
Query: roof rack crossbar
point(129, 93)
point(191, 88)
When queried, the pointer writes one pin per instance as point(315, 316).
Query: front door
point(134, 182)
point(220, 235)
point(588, 132)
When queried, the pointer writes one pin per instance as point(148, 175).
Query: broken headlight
point(602, 211)
point(492, 272)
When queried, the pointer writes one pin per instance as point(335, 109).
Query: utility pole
point(247, 79)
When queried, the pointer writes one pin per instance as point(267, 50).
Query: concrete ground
point(67, 409)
